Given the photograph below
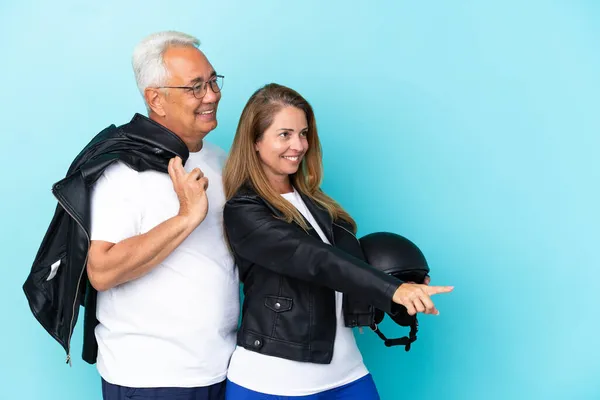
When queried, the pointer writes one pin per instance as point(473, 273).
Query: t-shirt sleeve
point(115, 207)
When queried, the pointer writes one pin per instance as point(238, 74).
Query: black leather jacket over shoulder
point(57, 283)
point(290, 277)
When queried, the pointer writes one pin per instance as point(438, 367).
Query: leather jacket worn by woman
point(290, 277)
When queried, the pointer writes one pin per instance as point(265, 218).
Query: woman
point(306, 283)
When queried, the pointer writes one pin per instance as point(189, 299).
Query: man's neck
point(193, 145)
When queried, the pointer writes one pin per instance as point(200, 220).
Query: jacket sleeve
point(257, 236)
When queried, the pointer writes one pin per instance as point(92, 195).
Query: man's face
point(186, 115)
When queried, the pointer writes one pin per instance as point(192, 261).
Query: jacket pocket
point(54, 267)
point(278, 304)
point(48, 276)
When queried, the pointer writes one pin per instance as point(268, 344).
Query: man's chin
point(207, 126)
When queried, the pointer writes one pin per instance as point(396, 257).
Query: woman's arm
point(257, 236)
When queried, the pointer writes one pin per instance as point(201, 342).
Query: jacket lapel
point(321, 216)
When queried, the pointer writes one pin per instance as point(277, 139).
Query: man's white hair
point(148, 64)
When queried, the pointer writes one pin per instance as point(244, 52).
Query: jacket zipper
point(68, 361)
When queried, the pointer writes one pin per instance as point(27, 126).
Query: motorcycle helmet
point(396, 255)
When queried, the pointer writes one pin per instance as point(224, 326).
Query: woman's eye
point(304, 133)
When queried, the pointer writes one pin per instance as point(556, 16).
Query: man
point(167, 302)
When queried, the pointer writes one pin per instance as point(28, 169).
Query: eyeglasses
point(199, 89)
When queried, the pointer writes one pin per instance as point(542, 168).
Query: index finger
point(170, 168)
point(438, 289)
point(178, 167)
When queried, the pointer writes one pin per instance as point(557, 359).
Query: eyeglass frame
point(203, 84)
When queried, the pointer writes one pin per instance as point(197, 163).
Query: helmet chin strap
point(403, 341)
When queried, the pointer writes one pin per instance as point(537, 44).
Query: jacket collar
point(143, 129)
point(320, 214)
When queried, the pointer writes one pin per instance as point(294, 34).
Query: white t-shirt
point(279, 376)
point(176, 325)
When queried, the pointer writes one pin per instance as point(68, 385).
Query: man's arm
point(111, 264)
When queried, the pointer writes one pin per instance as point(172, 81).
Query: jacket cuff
point(389, 306)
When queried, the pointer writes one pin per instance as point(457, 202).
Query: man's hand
point(417, 298)
point(111, 264)
point(191, 191)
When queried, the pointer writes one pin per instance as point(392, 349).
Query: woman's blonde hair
point(244, 166)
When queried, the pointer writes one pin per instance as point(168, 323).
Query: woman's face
point(284, 144)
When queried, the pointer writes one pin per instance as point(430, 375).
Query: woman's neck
point(281, 184)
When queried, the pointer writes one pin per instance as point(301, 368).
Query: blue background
point(471, 127)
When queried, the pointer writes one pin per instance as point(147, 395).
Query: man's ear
point(155, 101)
